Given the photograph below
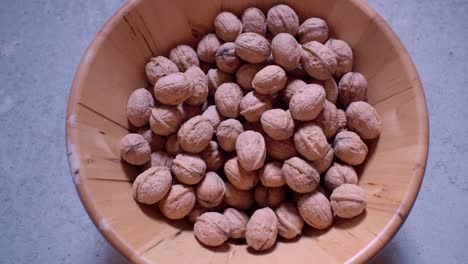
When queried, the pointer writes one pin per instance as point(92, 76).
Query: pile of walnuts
point(244, 129)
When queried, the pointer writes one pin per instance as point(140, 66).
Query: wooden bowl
point(113, 66)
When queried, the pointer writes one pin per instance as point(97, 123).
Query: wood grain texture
point(112, 68)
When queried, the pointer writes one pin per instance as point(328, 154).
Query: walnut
point(246, 74)
point(134, 149)
point(212, 229)
point(253, 20)
point(363, 119)
point(271, 174)
point(200, 90)
point(227, 59)
point(310, 141)
point(139, 107)
point(313, 29)
point(344, 56)
point(292, 86)
point(252, 47)
point(213, 156)
point(281, 18)
point(319, 61)
point(278, 124)
point(159, 67)
point(188, 168)
point(228, 98)
point(307, 103)
point(184, 57)
point(349, 148)
point(269, 196)
point(339, 174)
point(227, 26)
point(262, 229)
point(195, 134)
point(321, 165)
point(238, 221)
point(159, 159)
point(152, 185)
point(210, 191)
point(227, 134)
point(286, 51)
point(172, 145)
point(300, 176)
point(348, 200)
point(156, 142)
point(189, 111)
point(165, 120)
point(253, 105)
point(331, 89)
point(328, 119)
point(178, 202)
point(290, 223)
point(251, 150)
point(269, 80)
point(197, 211)
point(217, 77)
point(280, 149)
point(352, 88)
point(207, 47)
point(239, 199)
point(212, 114)
point(238, 177)
point(174, 89)
point(315, 209)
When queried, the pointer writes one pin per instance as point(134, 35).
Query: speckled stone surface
point(41, 217)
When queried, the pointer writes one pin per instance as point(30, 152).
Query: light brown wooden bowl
point(113, 66)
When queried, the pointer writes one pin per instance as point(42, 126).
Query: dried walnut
point(227, 134)
point(307, 103)
point(252, 47)
point(238, 221)
point(319, 61)
point(290, 223)
point(300, 176)
point(339, 174)
point(207, 48)
point(281, 18)
point(139, 107)
point(352, 88)
point(210, 191)
point(349, 148)
point(311, 142)
point(200, 90)
point(184, 57)
point(227, 59)
point(213, 156)
point(228, 98)
point(253, 105)
point(134, 149)
point(212, 229)
point(174, 89)
point(363, 119)
point(152, 185)
point(178, 203)
point(188, 168)
point(238, 177)
point(227, 26)
point(262, 229)
point(195, 134)
point(315, 209)
point(271, 174)
point(348, 200)
point(239, 199)
point(313, 29)
point(253, 20)
point(286, 51)
point(251, 150)
point(269, 80)
point(159, 67)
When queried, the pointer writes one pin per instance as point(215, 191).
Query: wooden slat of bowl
point(113, 67)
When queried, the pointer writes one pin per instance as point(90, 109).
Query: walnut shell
point(290, 223)
point(217, 77)
point(197, 211)
point(251, 150)
point(363, 119)
point(134, 149)
point(174, 88)
point(313, 29)
point(321, 165)
point(286, 51)
point(253, 20)
point(210, 191)
point(165, 120)
point(189, 111)
point(352, 88)
point(262, 229)
point(342, 122)
point(292, 86)
point(238, 221)
point(207, 47)
point(188, 168)
point(300, 176)
point(212, 114)
point(152, 185)
point(331, 89)
point(252, 47)
point(156, 142)
point(349, 148)
point(307, 103)
point(344, 56)
point(253, 105)
point(227, 99)
point(159, 159)
point(195, 134)
point(315, 209)
point(282, 18)
point(319, 61)
point(246, 74)
point(184, 57)
point(178, 202)
point(339, 174)
point(280, 149)
point(278, 124)
point(227, 59)
point(200, 90)
point(348, 200)
point(310, 141)
point(212, 229)
point(227, 134)
point(269, 196)
point(271, 174)
point(328, 119)
point(172, 145)
point(227, 26)
point(238, 177)
point(213, 156)
point(159, 67)
point(239, 199)
point(269, 80)
point(139, 107)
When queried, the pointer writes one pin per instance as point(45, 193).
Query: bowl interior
point(113, 67)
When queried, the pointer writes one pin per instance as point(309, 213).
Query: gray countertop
point(41, 217)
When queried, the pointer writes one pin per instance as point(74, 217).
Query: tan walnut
point(253, 105)
point(172, 145)
point(286, 51)
point(252, 47)
point(339, 174)
point(178, 202)
point(251, 150)
point(344, 56)
point(200, 90)
point(246, 74)
point(310, 141)
point(159, 159)
point(292, 86)
point(278, 124)
point(319, 61)
point(300, 176)
point(262, 229)
point(210, 191)
point(227, 99)
point(212, 229)
point(239, 199)
point(351, 88)
point(174, 89)
point(238, 221)
point(280, 149)
point(313, 29)
point(307, 103)
point(152, 185)
point(134, 149)
point(227, 134)
point(269, 80)
point(156, 142)
point(159, 67)
point(282, 19)
point(237, 176)
point(195, 134)
point(253, 20)
point(363, 119)
point(328, 119)
point(348, 200)
point(213, 156)
point(271, 174)
point(290, 223)
point(184, 57)
point(227, 59)
point(217, 77)
point(331, 89)
point(315, 209)
point(321, 165)
point(212, 114)
point(207, 47)
point(139, 107)
point(188, 168)
point(227, 26)
point(349, 148)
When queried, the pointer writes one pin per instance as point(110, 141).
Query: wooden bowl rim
point(366, 253)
